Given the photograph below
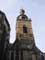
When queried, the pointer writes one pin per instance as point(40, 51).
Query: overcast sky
point(35, 9)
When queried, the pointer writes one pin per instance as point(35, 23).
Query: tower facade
point(24, 32)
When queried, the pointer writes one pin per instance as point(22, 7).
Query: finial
point(22, 11)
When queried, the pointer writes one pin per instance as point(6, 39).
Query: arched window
point(24, 29)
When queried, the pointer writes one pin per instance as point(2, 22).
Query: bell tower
point(24, 36)
point(24, 32)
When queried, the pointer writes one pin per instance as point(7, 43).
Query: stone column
point(14, 55)
point(10, 55)
point(17, 54)
point(33, 57)
point(21, 55)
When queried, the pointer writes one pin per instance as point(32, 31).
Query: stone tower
point(24, 47)
point(24, 33)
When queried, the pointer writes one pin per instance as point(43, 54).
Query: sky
point(35, 9)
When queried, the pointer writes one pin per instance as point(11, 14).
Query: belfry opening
point(24, 29)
